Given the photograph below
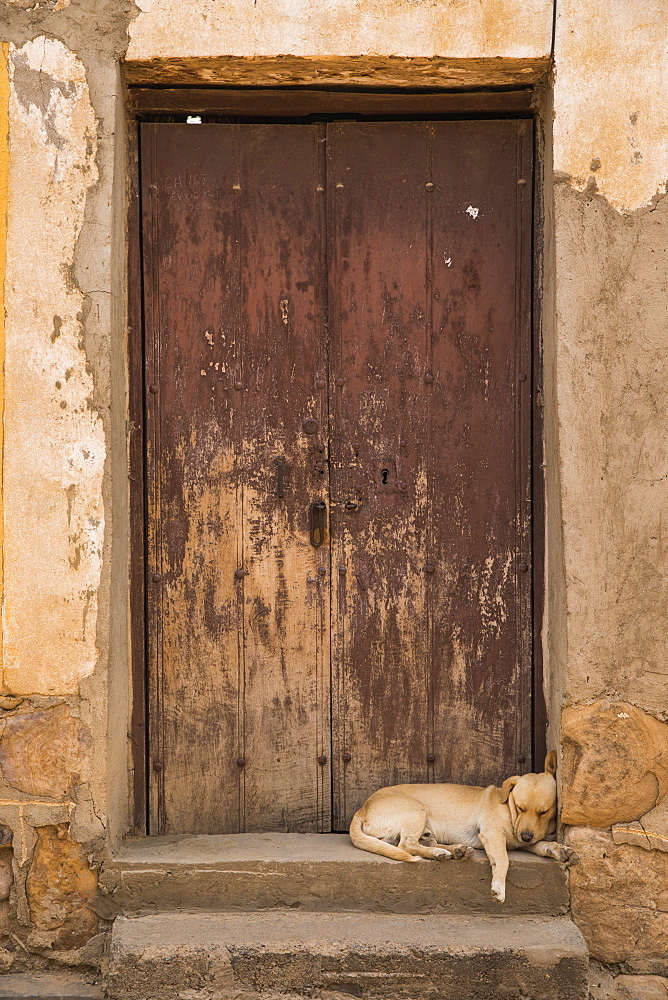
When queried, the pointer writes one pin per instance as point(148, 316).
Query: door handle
point(318, 515)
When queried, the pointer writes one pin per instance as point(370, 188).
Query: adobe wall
point(63, 768)
point(63, 564)
point(610, 368)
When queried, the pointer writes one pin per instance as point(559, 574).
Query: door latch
point(318, 520)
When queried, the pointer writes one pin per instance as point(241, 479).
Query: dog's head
point(532, 800)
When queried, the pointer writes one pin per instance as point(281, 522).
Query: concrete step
point(332, 956)
point(46, 986)
point(317, 872)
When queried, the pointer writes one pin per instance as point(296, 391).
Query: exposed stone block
point(615, 764)
point(6, 872)
point(5, 919)
point(44, 752)
point(650, 831)
point(59, 885)
point(54, 5)
point(647, 966)
point(640, 988)
point(617, 897)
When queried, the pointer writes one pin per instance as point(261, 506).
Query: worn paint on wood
point(238, 635)
point(430, 437)
point(479, 450)
point(379, 429)
point(335, 313)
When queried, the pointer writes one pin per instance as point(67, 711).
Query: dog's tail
point(374, 844)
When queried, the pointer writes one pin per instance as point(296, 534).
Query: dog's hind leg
point(456, 850)
point(412, 832)
point(421, 851)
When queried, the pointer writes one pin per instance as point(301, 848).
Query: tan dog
point(445, 821)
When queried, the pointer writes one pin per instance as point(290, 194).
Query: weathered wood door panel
point(335, 313)
point(378, 333)
point(430, 439)
point(479, 450)
point(238, 617)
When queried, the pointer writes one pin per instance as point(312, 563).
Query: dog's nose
point(526, 837)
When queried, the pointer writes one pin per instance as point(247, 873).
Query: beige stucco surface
point(54, 445)
point(611, 363)
point(607, 377)
point(461, 29)
point(610, 98)
point(612, 370)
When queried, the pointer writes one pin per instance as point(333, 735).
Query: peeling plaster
point(55, 448)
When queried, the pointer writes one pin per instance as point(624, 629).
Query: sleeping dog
point(410, 822)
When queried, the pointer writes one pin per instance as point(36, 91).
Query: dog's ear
point(507, 787)
point(551, 762)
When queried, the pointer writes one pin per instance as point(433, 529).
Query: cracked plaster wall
point(611, 166)
point(606, 315)
point(610, 369)
point(54, 439)
point(64, 415)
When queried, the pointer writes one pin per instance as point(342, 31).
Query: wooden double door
point(337, 434)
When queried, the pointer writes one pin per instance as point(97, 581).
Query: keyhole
point(384, 476)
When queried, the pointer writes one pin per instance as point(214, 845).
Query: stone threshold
point(317, 872)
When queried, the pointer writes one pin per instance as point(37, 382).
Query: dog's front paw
point(499, 891)
point(566, 855)
point(441, 854)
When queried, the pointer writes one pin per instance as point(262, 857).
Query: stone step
point(318, 872)
point(46, 986)
point(332, 956)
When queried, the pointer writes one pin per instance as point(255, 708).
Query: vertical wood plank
point(238, 636)
point(377, 285)
point(191, 264)
point(286, 599)
point(429, 255)
point(479, 478)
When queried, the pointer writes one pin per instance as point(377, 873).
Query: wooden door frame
point(146, 103)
